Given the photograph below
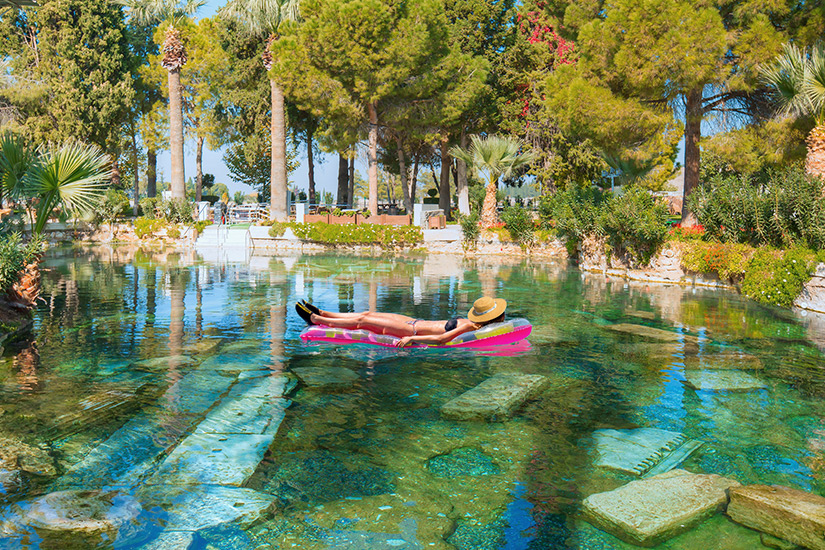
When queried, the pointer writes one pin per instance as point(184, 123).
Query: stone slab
point(191, 508)
point(169, 361)
point(722, 380)
point(649, 511)
point(723, 361)
point(643, 451)
point(653, 333)
point(774, 542)
point(171, 540)
point(247, 415)
point(217, 459)
point(326, 377)
point(789, 514)
point(242, 347)
point(195, 392)
point(236, 363)
point(494, 399)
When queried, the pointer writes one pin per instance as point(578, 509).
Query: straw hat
point(486, 309)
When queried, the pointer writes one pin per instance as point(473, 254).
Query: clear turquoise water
point(375, 465)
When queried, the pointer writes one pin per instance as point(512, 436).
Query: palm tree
point(70, 177)
point(150, 12)
point(798, 80)
point(263, 18)
point(492, 157)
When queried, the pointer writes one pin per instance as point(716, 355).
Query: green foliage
point(201, 225)
point(149, 207)
point(173, 232)
point(112, 206)
point(573, 212)
point(781, 209)
point(728, 260)
point(777, 277)
point(519, 224)
point(634, 222)
point(470, 230)
point(146, 227)
point(386, 236)
point(14, 256)
point(798, 81)
point(277, 228)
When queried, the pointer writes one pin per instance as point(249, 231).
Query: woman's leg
point(380, 323)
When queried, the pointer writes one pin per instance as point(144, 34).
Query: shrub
point(780, 209)
point(383, 235)
point(145, 226)
point(470, 230)
point(635, 223)
point(277, 229)
point(173, 232)
point(573, 212)
point(777, 277)
point(148, 207)
point(15, 256)
point(112, 205)
point(520, 225)
point(728, 260)
point(201, 225)
point(178, 210)
point(686, 234)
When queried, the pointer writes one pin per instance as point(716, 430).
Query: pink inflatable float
point(495, 334)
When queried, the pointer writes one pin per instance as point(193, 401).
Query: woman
point(410, 330)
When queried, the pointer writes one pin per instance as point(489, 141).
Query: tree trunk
point(444, 184)
point(815, 159)
point(351, 192)
point(402, 170)
point(489, 211)
point(199, 170)
point(372, 156)
point(311, 169)
point(115, 178)
point(136, 181)
point(151, 173)
point(414, 180)
point(462, 189)
point(178, 185)
point(343, 186)
point(278, 186)
point(693, 133)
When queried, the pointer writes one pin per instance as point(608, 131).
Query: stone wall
point(813, 293)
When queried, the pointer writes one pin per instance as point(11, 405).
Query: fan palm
point(149, 12)
point(70, 177)
point(263, 18)
point(798, 80)
point(492, 157)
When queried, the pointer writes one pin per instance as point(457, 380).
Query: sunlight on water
point(170, 388)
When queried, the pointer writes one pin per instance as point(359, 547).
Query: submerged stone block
point(236, 362)
point(649, 511)
point(191, 508)
point(466, 461)
point(728, 360)
point(170, 361)
point(80, 511)
point(790, 514)
point(643, 451)
point(494, 399)
point(332, 378)
point(653, 333)
point(248, 415)
point(218, 459)
point(723, 380)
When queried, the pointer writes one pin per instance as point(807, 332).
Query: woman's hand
point(404, 342)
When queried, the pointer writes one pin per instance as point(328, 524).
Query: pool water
point(137, 353)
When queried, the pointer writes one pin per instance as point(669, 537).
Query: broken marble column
point(722, 380)
point(653, 333)
point(80, 512)
point(789, 514)
point(649, 511)
point(496, 398)
point(643, 451)
point(326, 378)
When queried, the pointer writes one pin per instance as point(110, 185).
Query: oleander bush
point(388, 236)
point(777, 276)
point(174, 210)
point(779, 208)
point(728, 260)
point(519, 224)
point(635, 223)
point(146, 227)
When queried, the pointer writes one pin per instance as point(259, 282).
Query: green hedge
point(383, 235)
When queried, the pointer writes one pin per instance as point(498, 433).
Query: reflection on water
point(139, 355)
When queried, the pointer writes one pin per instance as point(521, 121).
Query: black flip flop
point(311, 307)
point(304, 313)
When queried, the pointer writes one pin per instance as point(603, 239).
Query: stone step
point(496, 398)
point(649, 511)
point(789, 514)
point(653, 333)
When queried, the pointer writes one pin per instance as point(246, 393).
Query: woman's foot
point(311, 307)
point(304, 313)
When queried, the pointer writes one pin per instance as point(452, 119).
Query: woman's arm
point(438, 339)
